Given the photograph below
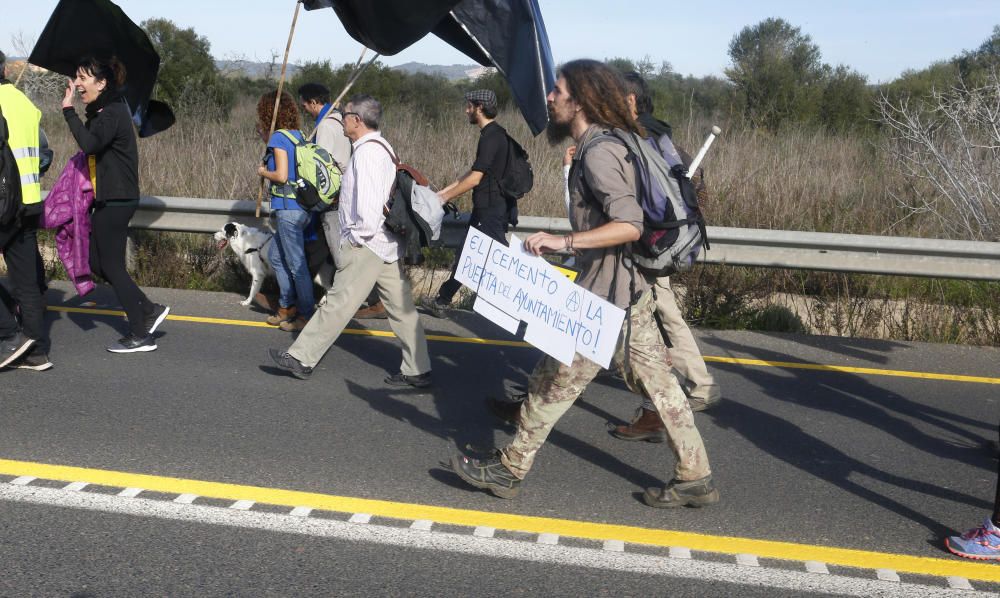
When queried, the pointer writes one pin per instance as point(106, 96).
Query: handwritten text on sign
point(512, 285)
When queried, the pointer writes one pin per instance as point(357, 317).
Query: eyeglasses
point(346, 114)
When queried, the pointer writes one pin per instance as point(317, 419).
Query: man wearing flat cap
point(489, 207)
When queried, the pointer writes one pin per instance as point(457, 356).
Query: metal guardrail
point(904, 256)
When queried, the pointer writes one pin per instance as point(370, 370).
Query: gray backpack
point(673, 225)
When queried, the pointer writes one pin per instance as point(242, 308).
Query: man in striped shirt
point(369, 256)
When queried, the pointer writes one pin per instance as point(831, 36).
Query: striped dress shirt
point(364, 191)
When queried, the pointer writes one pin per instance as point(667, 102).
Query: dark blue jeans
point(288, 258)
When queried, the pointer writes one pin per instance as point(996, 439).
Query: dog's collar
point(257, 249)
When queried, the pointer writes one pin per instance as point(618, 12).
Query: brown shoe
point(647, 426)
point(372, 312)
point(267, 302)
point(284, 314)
point(293, 325)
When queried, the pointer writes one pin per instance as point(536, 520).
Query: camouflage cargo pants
point(554, 387)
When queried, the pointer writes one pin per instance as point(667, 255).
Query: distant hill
point(254, 70)
point(452, 72)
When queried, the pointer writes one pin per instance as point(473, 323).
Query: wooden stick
point(277, 98)
point(21, 74)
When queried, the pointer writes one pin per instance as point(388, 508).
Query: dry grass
point(798, 179)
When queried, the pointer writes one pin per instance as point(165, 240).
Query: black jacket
point(109, 135)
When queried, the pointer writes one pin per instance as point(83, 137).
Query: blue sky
point(878, 38)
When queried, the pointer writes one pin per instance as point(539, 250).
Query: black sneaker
point(696, 493)
point(133, 344)
point(156, 318)
point(293, 366)
point(507, 411)
point(14, 347)
point(434, 307)
point(34, 361)
point(488, 474)
point(401, 379)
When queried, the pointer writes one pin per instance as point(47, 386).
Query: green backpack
point(317, 186)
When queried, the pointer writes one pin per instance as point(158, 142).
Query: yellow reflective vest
point(23, 119)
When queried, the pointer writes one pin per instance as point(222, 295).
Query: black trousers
point(108, 238)
point(491, 222)
point(20, 251)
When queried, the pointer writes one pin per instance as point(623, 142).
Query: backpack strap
point(295, 140)
point(333, 114)
point(395, 160)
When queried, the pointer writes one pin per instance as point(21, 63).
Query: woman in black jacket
point(109, 141)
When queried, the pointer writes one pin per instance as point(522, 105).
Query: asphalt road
point(873, 462)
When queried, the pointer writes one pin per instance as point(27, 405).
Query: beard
point(473, 120)
point(556, 131)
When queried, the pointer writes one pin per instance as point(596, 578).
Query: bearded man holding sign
point(587, 100)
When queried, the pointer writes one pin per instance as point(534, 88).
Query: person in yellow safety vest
point(25, 344)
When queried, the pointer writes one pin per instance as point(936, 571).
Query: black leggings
point(108, 238)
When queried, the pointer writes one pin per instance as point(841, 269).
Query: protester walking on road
point(292, 223)
point(489, 207)
point(329, 135)
point(24, 345)
point(370, 255)
point(983, 542)
point(108, 139)
point(605, 215)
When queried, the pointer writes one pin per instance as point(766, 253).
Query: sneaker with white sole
point(38, 362)
point(980, 543)
point(133, 344)
point(14, 347)
point(154, 319)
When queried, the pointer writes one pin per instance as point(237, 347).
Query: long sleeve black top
point(109, 136)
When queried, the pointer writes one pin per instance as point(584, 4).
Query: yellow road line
point(523, 523)
point(502, 343)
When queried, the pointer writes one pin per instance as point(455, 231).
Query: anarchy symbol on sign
point(573, 301)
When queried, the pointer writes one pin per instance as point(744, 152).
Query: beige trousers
point(684, 352)
point(358, 271)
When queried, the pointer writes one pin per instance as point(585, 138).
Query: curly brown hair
point(288, 112)
point(600, 92)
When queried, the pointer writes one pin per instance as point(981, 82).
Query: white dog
point(251, 246)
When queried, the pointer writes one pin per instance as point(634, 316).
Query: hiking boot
point(646, 425)
point(34, 361)
point(372, 312)
point(696, 493)
point(488, 474)
point(703, 403)
point(293, 325)
point(293, 366)
point(981, 543)
point(14, 347)
point(508, 411)
point(283, 314)
point(401, 379)
point(154, 319)
point(133, 344)
point(434, 307)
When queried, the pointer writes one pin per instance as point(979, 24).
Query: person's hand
point(67, 101)
point(262, 171)
point(540, 243)
point(568, 156)
point(442, 198)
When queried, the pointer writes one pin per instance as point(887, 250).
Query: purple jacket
point(67, 208)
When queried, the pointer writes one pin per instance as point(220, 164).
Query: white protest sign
point(512, 285)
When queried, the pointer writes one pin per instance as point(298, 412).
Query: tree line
point(776, 78)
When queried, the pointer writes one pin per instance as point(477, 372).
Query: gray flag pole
point(277, 99)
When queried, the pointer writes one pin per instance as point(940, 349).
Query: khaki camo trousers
point(554, 387)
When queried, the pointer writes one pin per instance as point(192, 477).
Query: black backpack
point(10, 178)
point(517, 179)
